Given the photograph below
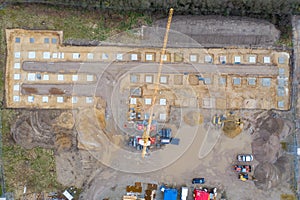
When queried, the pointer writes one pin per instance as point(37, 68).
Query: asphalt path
point(116, 68)
point(295, 108)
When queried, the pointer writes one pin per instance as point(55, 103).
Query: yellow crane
point(146, 133)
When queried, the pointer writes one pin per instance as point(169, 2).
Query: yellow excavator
point(221, 119)
point(146, 133)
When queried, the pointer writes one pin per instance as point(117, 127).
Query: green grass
point(92, 25)
point(35, 168)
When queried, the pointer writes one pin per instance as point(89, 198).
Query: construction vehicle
point(146, 133)
point(220, 119)
point(243, 176)
point(246, 177)
point(138, 143)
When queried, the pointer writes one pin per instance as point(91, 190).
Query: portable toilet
point(184, 193)
point(170, 194)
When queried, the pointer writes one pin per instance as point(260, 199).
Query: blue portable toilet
point(170, 194)
point(166, 133)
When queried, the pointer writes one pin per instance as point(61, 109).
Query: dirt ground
point(211, 155)
point(86, 155)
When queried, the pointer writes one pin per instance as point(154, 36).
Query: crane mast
point(146, 133)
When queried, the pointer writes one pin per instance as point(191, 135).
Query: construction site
point(95, 106)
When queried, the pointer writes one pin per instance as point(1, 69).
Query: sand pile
point(193, 118)
point(231, 127)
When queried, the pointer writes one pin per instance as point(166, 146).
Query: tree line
point(224, 7)
point(277, 12)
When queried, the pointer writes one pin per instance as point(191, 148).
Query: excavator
point(146, 134)
point(220, 119)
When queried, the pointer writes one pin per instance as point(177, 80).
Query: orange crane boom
point(146, 133)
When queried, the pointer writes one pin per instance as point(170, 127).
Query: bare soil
point(178, 80)
point(29, 90)
point(56, 91)
point(84, 168)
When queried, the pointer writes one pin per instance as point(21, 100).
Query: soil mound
point(272, 125)
point(231, 129)
point(267, 176)
point(193, 118)
point(266, 150)
point(271, 175)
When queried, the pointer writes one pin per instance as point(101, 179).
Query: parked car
point(244, 157)
point(198, 181)
point(242, 168)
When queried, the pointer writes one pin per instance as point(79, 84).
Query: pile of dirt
point(64, 140)
point(272, 125)
point(231, 128)
point(267, 176)
point(193, 118)
point(90, 126)
point(29, 90)
point(266, 148)
point(270, 175)
point(56, 91)
point(65, 120)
